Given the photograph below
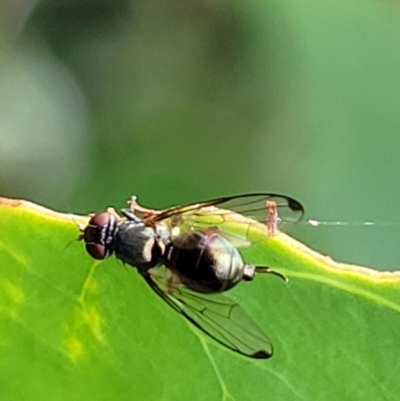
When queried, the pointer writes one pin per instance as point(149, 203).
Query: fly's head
point(99, 235)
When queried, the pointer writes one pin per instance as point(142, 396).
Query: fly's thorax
point(205, 261)
point(137, 245)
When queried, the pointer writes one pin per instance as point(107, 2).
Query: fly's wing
point(243, 210)
point(216, 315)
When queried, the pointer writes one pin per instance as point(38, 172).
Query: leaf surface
point(73, 328)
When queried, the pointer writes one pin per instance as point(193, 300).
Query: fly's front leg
point(130, 213)
point(112, 211)
point(272, 218)
point(135, 207)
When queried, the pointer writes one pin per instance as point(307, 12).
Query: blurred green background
point(179, 101)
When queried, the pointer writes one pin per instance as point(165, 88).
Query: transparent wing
point(216, 315)
point(244, 210)
point(249, 205)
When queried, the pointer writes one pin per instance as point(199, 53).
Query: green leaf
point(72, 328)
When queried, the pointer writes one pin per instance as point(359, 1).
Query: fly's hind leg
point(172, 281)
point(166, 280)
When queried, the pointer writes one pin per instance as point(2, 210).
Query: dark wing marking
point(219, 214)
point(249, 205)
point(216, 315)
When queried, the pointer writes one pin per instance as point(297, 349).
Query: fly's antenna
point(71, 242)
point(81, 228)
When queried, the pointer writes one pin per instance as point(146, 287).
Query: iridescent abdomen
point(205, 261)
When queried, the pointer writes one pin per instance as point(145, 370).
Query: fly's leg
point(272, 218)
point(112, 211)
point(167, 280)
point(135, 207)
point(172, 282)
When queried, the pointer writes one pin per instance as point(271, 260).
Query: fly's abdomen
point(205, 261)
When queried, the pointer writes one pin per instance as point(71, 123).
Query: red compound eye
point(99, 235)
point(97, 251)
point(100, 219)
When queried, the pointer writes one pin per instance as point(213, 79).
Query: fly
point(190, 256)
